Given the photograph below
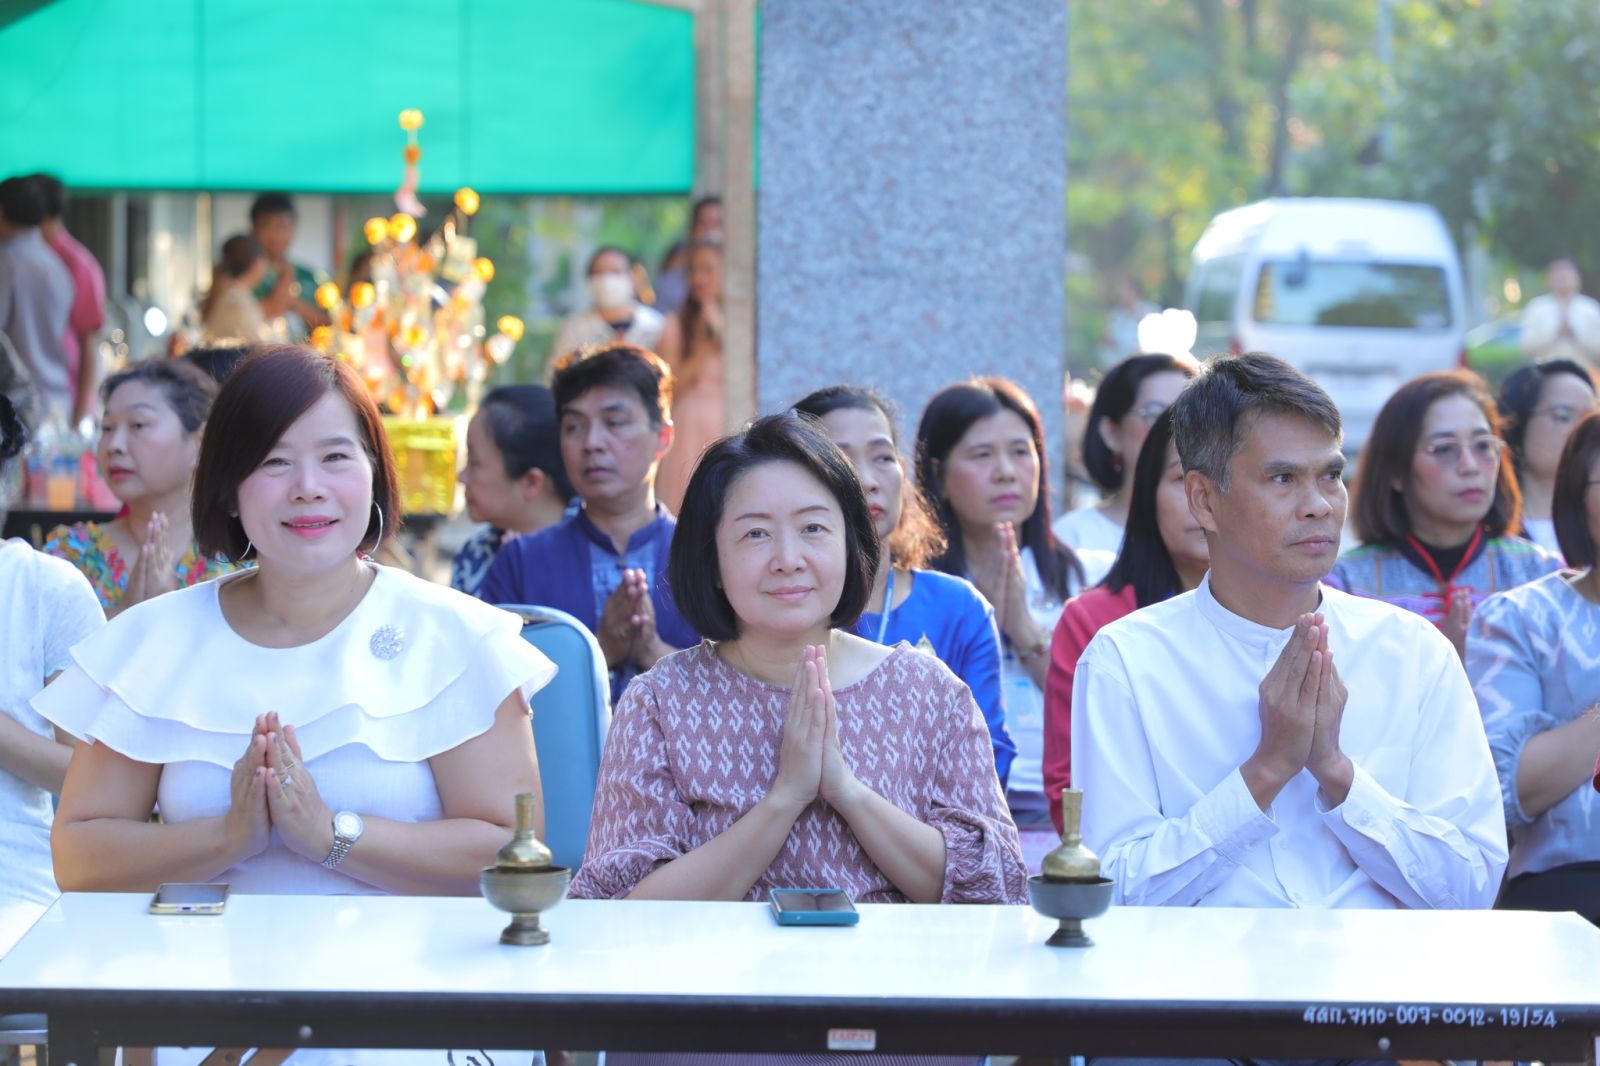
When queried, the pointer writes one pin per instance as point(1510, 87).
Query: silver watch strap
point(341, 848)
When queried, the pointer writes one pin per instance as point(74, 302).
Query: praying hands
point(996, 570)
point(810, 762)
point(627, 631)
point(271, 789)
point(153, 571)
point(1301, 703)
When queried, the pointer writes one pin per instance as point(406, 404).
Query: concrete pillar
point(912, 217)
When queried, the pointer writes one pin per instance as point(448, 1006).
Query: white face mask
point(611, 291)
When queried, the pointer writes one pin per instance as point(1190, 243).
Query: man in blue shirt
point(606, 563)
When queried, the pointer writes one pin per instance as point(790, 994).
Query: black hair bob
point(694, 573)
point(522, 422)
point(1144, 561)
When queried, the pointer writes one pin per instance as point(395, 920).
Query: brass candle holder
point(524, 880)
point(1071, 889)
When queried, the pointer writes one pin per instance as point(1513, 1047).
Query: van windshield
point(1323, 292)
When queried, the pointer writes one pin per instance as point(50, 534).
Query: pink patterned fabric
point(694, 746)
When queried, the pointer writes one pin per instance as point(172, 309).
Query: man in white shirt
point(1265, 741)
point(1563, 323)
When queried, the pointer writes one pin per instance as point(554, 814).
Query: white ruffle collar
point(415, 669)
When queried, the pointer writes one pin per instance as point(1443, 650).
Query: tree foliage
point(1178, 109)
point(1498, 125)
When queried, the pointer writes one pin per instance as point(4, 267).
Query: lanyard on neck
point(888, 602)
point(1447, 585)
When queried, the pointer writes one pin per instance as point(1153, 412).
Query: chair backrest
point(570, 718)
point(23, 1030)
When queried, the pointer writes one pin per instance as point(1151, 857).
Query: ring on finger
point(285, 782)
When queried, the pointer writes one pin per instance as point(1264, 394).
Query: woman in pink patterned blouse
point(785, 751)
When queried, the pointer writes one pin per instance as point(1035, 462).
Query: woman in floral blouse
point(149, 442)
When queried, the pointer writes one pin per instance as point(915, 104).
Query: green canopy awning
point(520, 96)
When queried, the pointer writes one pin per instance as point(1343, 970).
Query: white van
point(1362, 295)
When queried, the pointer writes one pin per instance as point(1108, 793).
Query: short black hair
point(1144, 561)
point(22, 201)
point(608, 249)
point(54, 191)
point(620, 366)
point(1519, 396)
point(271, 203)
point(13, 432)
point(714, 200)
point(1113, 399)
point(521, 420)
point(240, 252)
point(694, 574)
point(1214, 411)
point(1568, 504)
point(218, 361)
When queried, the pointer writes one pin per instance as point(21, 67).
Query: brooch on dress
point(386, 642)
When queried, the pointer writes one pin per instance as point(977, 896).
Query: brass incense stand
point(524, 881)
point(1071, 889)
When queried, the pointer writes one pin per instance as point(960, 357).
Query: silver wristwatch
point(347, 829)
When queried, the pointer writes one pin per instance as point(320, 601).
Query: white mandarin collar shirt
point(1164, 711)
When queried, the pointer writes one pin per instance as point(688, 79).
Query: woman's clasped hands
point(811, 764)
point(272, 789)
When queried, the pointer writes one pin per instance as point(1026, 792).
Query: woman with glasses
point(1436, 501)
point(1532, 664)
point(1542, 403)
point(1130, 398)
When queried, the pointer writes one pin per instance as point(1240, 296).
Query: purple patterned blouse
point(694, 746)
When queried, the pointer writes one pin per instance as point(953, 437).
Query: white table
point(16, 918)
point(282, 971)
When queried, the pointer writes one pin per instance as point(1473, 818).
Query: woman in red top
point(1163, 553)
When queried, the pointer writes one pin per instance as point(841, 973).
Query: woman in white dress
point(317, 724)
point(46, 607)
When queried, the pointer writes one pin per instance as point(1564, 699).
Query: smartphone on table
point(813, 906)
point(189, 898)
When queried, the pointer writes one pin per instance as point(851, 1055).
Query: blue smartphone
point(813, 906)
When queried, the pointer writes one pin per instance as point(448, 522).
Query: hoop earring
point(379, 542)
point(248, 548)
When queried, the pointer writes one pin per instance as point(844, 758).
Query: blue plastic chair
point(571, 716)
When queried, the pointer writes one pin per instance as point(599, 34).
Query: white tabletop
point(1197, 959)
point(16, 918)
point(388, 943)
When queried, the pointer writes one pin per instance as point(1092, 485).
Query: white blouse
point(1024, 700)
point(414, 670)
point(1088, 528)
point(46, 606)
